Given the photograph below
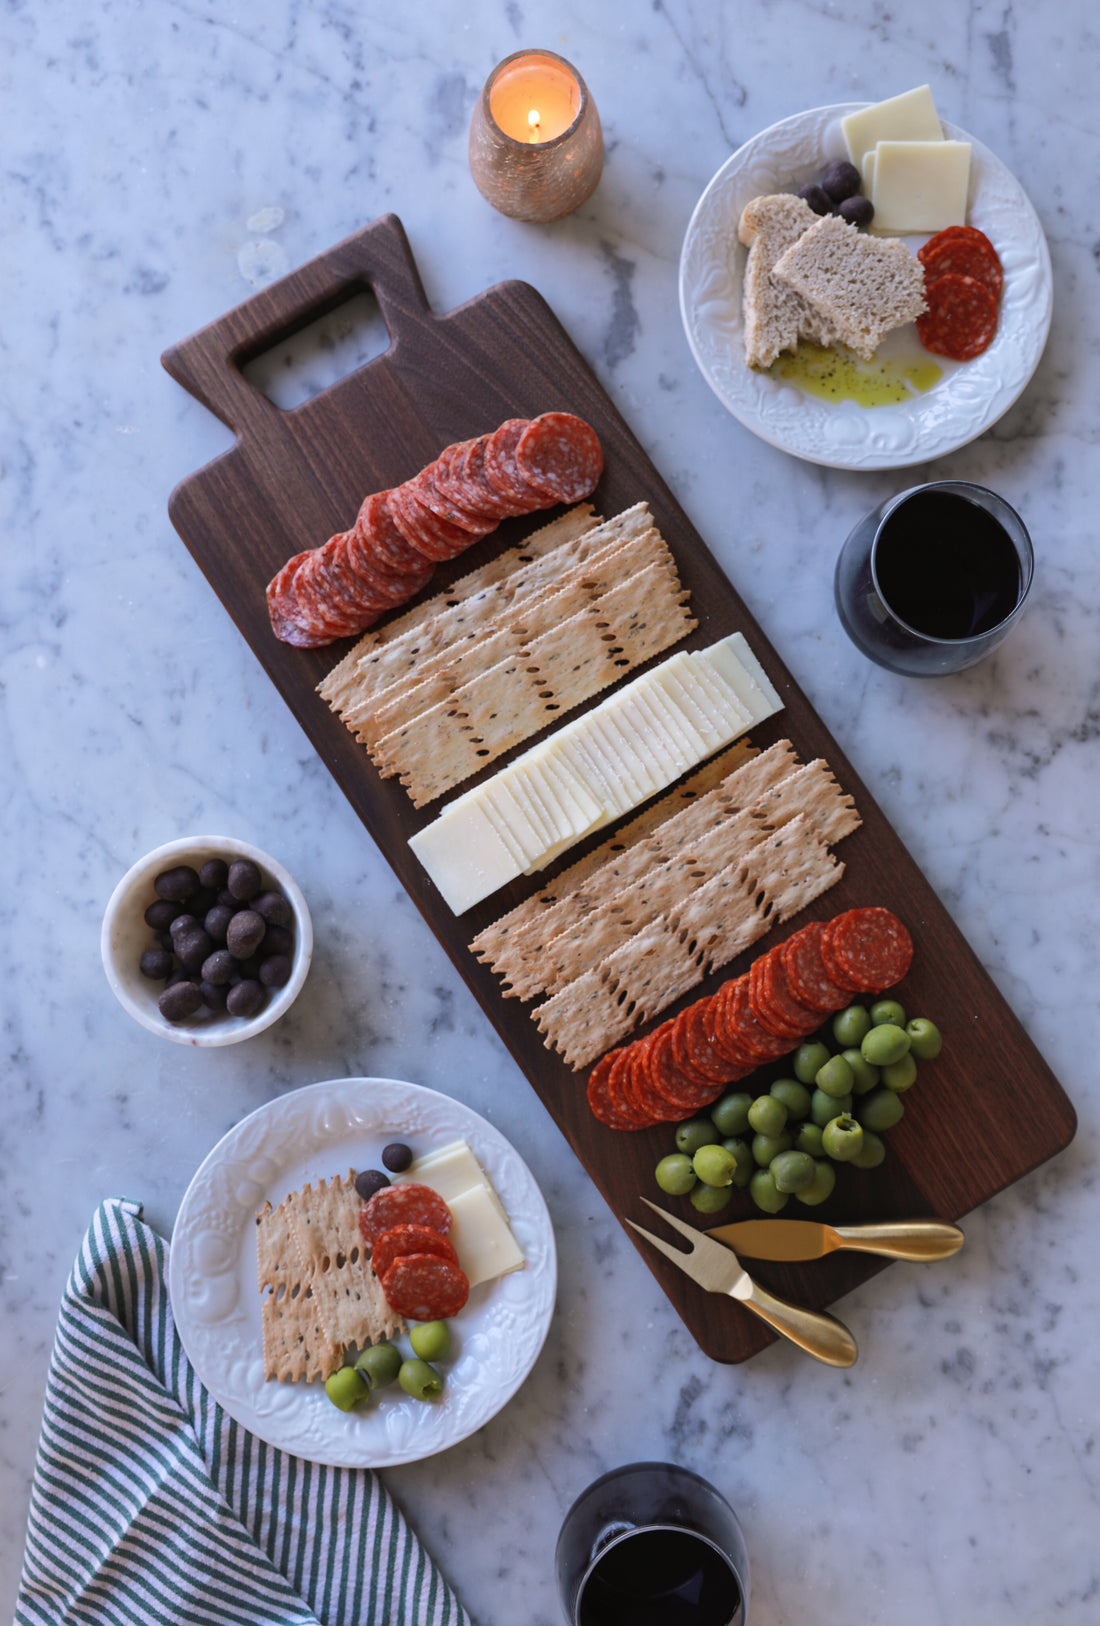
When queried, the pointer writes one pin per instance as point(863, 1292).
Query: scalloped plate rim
point(859, 460)
point(537, 1281)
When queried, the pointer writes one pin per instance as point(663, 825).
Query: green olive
point(925, 1038)
point(850, 1025)
point(695, 1133)
point(675, 1174)
point(730, 1115)
point(824, 1108)
point(765, 1193)
point(420, 1380)
point(765, 1147)
point(379, 1364)
point(746, 1163)
point(871, 1153)
point(864, 1076)
point(842, 1138)
point(794, 1096)
point(822, 1186)
point(710, 1199)
point(900, 1075)
point(808, 1139)
point(880, 1110)
point(431, 1340)
point(767, 1115)
point(808, 1059)
point(835, 1078)
point(346, 1388)
point(887, 1010)
point(714, 1165)
point(792, 1171)
point(885, 1044)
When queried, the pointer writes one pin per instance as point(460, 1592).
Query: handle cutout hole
point(321, 353)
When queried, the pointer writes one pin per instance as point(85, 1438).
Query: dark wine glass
point(652, 1544)
point(934, 578)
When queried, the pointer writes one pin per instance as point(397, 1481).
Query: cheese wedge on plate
point(596, 767)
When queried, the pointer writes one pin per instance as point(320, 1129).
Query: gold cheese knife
point(718, 1271)
point(789, 1239)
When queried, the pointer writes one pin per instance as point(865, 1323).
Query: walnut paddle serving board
point(985, 1113)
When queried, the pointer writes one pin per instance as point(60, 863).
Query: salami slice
point(967, 256)
point(502, 472)
point(773, 1004)
point(382, 539)
point(672, 1093)
point(290, 622)
point(428, 488)
point(951, 234)
point(422, 1287)
point(870, 948)
point(961, 318)
point(401, 1239)
point(693, 1049)
point(472, 470)
point(606, 1106)
point(735, 1019)
point(433, 536)
point(560, 454)
point(406, 1204)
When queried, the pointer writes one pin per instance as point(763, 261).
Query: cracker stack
point(319, 1294)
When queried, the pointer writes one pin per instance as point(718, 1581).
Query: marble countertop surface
point(160, 163)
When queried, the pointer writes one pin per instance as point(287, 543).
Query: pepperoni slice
point(560, 454)
point(422, 1287)
point(693, 1049)
point(773, 1003)
point(951, 234)
point(405, 1204)
point(432, 535)
point(961, 318)
point(868, 948)
point(672, 1092)
point(606, 1107)
point(809, 981)
point(401, 1239)
point(969, 258)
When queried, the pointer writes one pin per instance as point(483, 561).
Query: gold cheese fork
point(715, 1267)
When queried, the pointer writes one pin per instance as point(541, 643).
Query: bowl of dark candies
point(207, 941)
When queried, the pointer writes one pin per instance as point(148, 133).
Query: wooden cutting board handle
point(208, 364)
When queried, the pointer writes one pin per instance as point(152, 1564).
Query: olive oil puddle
point(840, 375)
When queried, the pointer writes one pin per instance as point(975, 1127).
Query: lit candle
point(536, 146)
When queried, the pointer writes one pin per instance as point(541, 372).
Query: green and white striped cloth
point(151, 1505)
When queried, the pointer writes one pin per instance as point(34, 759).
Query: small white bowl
point(125, 937)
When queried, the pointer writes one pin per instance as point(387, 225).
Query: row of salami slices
point(340, 589)
point(685, 1064)
point(405, 1227)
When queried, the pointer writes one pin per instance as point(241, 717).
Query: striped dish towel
point(151, 1505)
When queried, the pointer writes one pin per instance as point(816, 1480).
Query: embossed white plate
point(315, 1133)
point(967, 399)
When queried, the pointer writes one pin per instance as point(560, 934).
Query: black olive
point(370, 1181)
point(397, 1156)
point(177, 885)
point(214, 873)
point(245, 880)
point(246, 998)
point(156, 964)
point(180, 1000)
point(841, 180)
point(819, 201)
point(245, 933)
point(275, 970)
point(858, 211)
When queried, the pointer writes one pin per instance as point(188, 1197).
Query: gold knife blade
point(917, 1240)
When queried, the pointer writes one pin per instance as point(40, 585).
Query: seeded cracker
point(549, 677)
point(317, 1299)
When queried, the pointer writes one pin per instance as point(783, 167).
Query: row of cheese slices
point(595, 768)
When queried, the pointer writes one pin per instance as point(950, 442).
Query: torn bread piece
point(776, 316)
point(865, 286)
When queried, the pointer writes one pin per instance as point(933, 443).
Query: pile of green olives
point(378, 1366)
point(834, 1109)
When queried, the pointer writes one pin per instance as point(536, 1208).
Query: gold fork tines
point(717, 1269)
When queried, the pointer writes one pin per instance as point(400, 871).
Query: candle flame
point(533, 121)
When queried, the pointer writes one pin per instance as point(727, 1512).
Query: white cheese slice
point(482, 1237)
point(465, 856)
point(448, 1170)
point(505, 809)
point(627, 738)
point(920, 185)
point(911, 116)
point(732, 659)
point(668, 750)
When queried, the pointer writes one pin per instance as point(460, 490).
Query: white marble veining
point(159, 162)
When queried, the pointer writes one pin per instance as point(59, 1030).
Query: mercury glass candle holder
point(536, 144)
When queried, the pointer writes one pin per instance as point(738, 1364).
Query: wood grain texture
point(987, 1112)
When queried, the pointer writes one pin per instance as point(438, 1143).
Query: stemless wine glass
point(652, 1544)
point(934, 578)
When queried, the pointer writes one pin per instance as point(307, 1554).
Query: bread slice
point(775, 316)
point(862, 285)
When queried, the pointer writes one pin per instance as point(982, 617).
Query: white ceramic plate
point(315, 1133)
point(967, 399)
